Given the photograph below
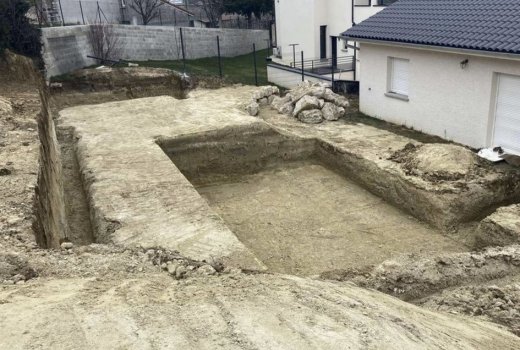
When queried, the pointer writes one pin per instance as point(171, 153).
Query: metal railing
point(326, 65)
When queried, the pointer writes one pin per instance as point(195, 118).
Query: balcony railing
point(324, 66)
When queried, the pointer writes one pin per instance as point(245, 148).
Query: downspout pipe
point(352, 4)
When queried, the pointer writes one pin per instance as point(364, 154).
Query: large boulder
point(283, 105)
point(338, 100)
point(252, 108)
point(332, 112)
point(266, 91)
point(312, 116)
point(306, 103)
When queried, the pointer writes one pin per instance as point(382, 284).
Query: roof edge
point(439, 48)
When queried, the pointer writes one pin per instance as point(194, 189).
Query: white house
point(315, 26)
point(447, 68)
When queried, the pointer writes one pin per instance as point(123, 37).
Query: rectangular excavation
point(295, 212)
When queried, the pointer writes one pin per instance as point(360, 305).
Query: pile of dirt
point(412, 277)
point(437, 162)
point(113, 84)
point(15, 269)
point(458, 283)
point(500, 304)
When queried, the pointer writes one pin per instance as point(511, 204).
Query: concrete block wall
point(66, 48)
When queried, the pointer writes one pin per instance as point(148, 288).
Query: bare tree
point(214, 10)
point(104, 42)
point(147, 9)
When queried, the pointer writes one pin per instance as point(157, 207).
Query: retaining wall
point(66, 48)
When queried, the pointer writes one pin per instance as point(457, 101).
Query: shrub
point(17, 33)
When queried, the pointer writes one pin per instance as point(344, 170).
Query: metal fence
point(337, 72)
point(74, 12)
point(248, 68)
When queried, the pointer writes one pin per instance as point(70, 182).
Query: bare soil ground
point(304, 219)
point(106, 296)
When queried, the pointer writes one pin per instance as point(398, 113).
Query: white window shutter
point(400, 76)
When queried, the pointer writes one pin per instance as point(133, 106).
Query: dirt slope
point(234, 311)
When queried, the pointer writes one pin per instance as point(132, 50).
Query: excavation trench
point(287, 199)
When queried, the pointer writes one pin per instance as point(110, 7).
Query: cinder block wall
point(66, 48)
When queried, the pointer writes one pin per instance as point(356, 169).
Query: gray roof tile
point(489, 25)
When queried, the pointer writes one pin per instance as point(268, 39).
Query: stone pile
point(311, 103)
point(264, 96)
point(180, 267)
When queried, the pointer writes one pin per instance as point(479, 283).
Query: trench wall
point(50, 223)
point(66, 48)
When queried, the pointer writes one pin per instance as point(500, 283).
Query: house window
point(385, 2)
point(399, 76)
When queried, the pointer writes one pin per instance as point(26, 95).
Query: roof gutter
point(177, 7)
point(482, 53)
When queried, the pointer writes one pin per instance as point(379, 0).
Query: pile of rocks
point(264, 96)
point(311, 103)
point(180, 267)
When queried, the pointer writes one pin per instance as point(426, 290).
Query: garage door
point(507, 116)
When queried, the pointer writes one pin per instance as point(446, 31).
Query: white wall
point(287, 79)
point(299, 21)
point(444, 99)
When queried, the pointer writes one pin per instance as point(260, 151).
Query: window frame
point(390, 90)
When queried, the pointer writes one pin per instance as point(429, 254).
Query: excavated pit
point(286, 201)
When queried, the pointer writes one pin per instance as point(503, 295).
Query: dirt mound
point(15, 269)
point(235, 311)
point(412, 277)
point(501, 304)
point(133, 79)
point(435, 161)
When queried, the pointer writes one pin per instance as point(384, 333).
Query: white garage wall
point(445, 100)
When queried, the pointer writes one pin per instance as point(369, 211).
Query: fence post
point(333, 77)
point(183, 52)
point(303, 71)
point(354, 60)
point(81, 8)
point(294, 54)
point(98, 11)
point(61, 11)
point(254, 61)
point(219, 60)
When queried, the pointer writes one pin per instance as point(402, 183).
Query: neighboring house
point(448, 68)
point(71, 12)
point(315, 25)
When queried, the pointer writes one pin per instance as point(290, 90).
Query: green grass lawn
point(239, 69)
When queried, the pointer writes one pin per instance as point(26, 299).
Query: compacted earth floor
point(303, 218)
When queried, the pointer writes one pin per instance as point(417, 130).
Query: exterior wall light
point(464, 64)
